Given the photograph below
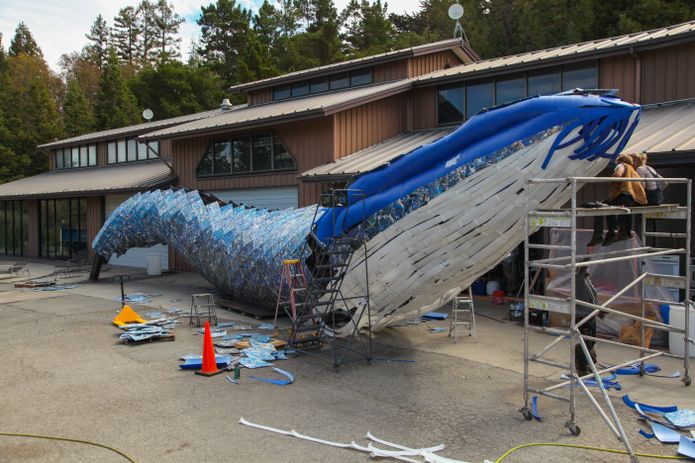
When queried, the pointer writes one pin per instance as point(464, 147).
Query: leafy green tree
point(78, 67)
point(322, 39)
point(167, 23)
point(78, 113)
point(173, 89)
point(367, 28)
point(116, 106)
point(126, 33)
point(23, 42)
point(147, 25)
point(99, 41)
point(225, 29)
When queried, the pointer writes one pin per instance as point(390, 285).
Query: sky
point(59, 26)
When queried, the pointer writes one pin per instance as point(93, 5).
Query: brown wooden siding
point(424, 108)
point(95, 219)
point(668, 74)
point(365, 125)
point(620, 72)
point(101, 153)
point(33, 228)
point(425, 64)
point(264, 95)
point(394, 70)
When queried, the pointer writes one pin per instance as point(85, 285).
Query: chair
point(203, 306)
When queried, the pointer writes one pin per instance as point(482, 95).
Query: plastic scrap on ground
point(57, 288)
point(435, 316)
point(650, 369)
point(138, 298)
point(684, 418)
point(534, 408)
point(437, 329)
point(193, 363)
point(265, 326)
point(686, 447)
point(253, 362)
point(608, 382)
point(279, 382)
point(143, 333)
point(402, 452)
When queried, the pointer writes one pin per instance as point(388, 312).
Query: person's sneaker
point(611, 237)
point(622, 236)
point(596, 239)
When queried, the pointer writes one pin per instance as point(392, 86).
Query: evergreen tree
point(322, 41)
point(126, 32)
point(367, 28)
point(148, 33)
point(78, 67)
point(225, 28)
point(23, 42)
point(265, 47)
point(99, 38)
point(30, 116)
point(167, 22)
point(78, 113)
point(3, 57)
point(116, 106)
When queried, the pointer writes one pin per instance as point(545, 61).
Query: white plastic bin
point(154, 264)
point(675, 340)
point(492, 286)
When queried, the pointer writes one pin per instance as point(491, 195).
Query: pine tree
point(23, 42)
point(167, 22)
point(126, 32)
point(99, 37)
point(148, 33)
point(78, 113)
point(225, 28)
point(265, 46)
point(367, 28)
point(116, 106)
point(321, 40)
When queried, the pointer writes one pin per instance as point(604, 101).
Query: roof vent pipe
point(226, 105)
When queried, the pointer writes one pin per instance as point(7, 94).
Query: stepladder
point(203, 306)
point(462, 314)
point(292, 290)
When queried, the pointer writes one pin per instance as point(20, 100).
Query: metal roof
point(664, 128)
point(464, 51)
point(134, 129)
point(135, 176)
point(593, 48)
point(374, 156)
point(317, 105)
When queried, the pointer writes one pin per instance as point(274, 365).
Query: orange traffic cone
point(209, 361)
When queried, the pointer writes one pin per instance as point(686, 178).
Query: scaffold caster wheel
point(527, 413)
point(574, 429)
point(687, 380)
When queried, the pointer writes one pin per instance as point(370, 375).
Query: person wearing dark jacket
point(586, 292)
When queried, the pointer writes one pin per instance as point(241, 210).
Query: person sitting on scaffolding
point(586, 292)
point(629, 194)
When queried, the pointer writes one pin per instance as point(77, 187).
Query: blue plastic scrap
point(437, 329)
point(634, 369)
point(253, 362)
point(684, 418)
point(197, 363)
point(266, 326)
point(534, 408)
point(435, 316)
point(648, 408)
point(664, 434)
point(686, 447)
point(225, 324)
point(279, 382)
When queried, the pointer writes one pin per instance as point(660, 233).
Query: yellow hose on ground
point(586, 447)
point(65, 439)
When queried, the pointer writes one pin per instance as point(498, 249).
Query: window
point(508, 90)
point(547, 83)
point(130, 150)
point(318, 85)
point(478, 96)
point(300, 89)
point(340, 81)
point(14, 228)
point(63, 228)
point(584, 77)
point(361, 77)
point(281, 93)
point(451, 105)
point(244, 155)
point(76, 156)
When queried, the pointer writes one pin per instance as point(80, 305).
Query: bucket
point(492, 286)
point(498, 297)
point(154, 264)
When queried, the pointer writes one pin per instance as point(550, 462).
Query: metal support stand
point(203, 306)
point(567, 218)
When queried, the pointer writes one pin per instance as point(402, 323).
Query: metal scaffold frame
point(567, 218)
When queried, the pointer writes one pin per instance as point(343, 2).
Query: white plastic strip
point(320, 441)
point(265, 428)
point(435, 448)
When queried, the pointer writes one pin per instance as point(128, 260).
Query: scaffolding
point(567, 218)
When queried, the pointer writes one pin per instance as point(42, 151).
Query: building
point(304, 132)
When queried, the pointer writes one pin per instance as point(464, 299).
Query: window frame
point(285, 91)
point(249, 139)
point(126, 144)
point(65, 154)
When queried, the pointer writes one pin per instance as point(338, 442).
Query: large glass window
point(324, 84)
point(545, 83)
point(300, 89)
point(508, 90)
point(243, 155)
point(478, 96)
point(585, 77)
point(451, 105)
point(63, 228)
point(75, 156)
point(14, 228)
point(130, 150)
point(361, 77)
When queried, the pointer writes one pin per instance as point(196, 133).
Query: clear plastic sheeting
point(608, 279)
point(237, 248)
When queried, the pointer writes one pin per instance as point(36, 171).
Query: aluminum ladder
point(462, 314)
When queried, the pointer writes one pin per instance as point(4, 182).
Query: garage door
point(135, 257)
point(268, 198)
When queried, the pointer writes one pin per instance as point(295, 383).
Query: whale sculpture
point(434, 219)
